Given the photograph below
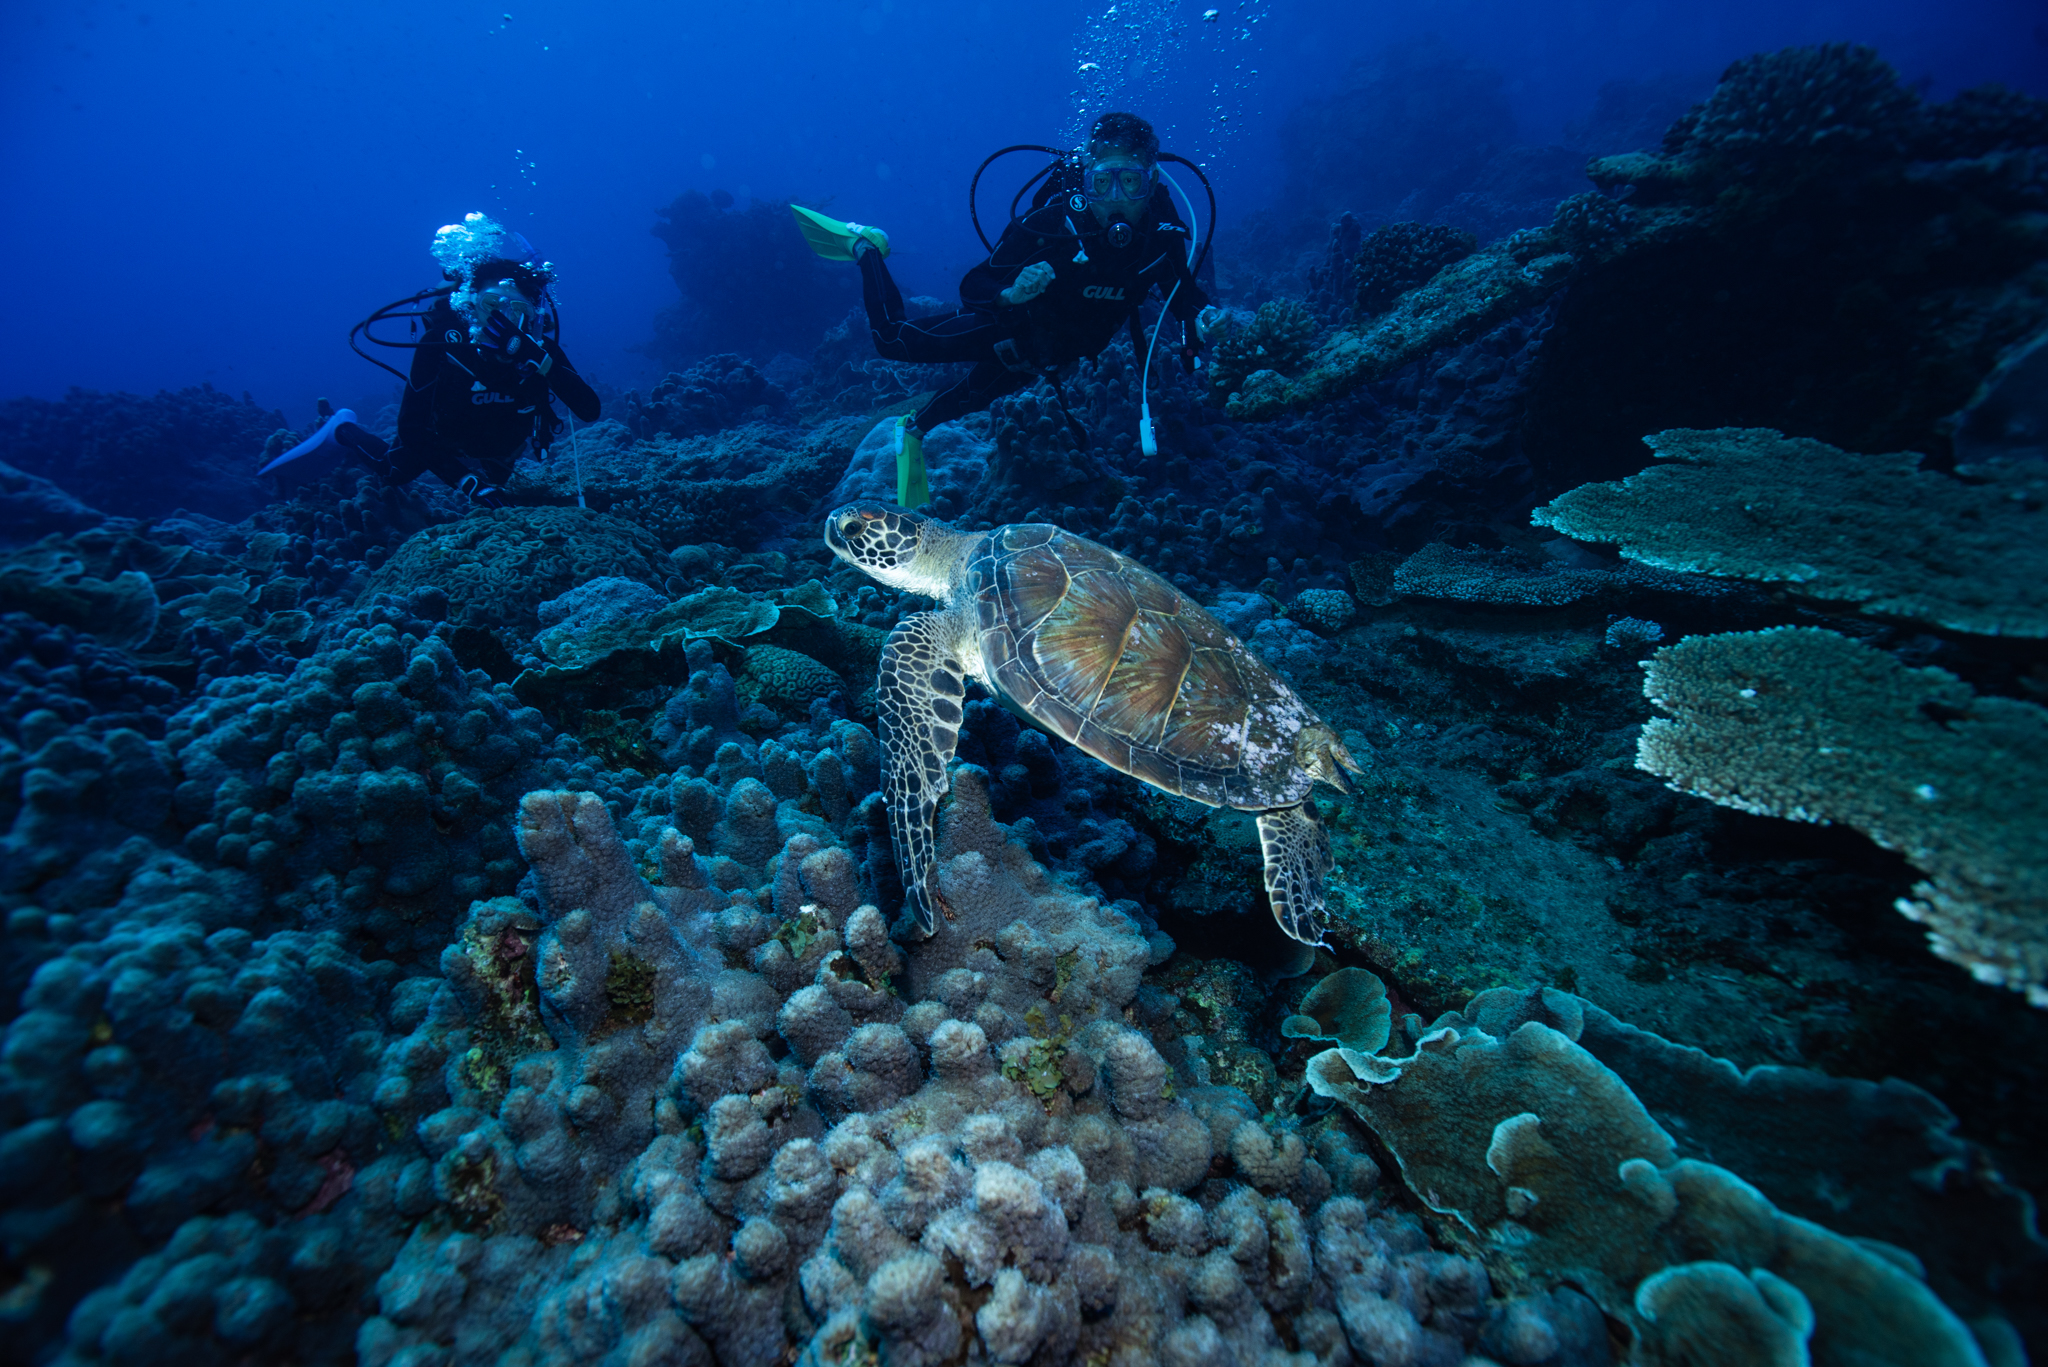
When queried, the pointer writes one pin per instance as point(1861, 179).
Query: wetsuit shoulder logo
point(1078, 203)
point(452, 336)
point(1103, 292)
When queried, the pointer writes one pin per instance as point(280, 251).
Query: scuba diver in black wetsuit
point(1056, 287)
point(484, 372)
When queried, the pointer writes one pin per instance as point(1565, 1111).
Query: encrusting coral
point(497, 568)
point(1807, 724)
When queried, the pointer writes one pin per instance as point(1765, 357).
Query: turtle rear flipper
point(918, 691)
point(1297, 865)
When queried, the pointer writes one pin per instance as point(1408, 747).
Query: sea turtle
point(1101, 652)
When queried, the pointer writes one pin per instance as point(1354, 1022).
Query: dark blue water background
point(215, 191)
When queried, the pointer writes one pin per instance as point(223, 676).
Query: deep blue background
point(199, 190)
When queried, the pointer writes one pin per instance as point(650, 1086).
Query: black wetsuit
point(1077, 315)
point(467, 410)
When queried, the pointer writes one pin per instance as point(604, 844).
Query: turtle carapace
point(1101, 652)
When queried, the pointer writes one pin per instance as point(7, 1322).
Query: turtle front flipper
point(1297, 865)
point(917, 698)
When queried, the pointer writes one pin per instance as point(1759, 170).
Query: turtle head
point(886, 544)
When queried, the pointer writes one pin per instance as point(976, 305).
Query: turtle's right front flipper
point(917, 698)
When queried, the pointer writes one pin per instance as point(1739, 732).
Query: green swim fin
point(911, 489)
point(834, 240)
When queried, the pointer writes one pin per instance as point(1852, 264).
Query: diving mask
point(1126, 180)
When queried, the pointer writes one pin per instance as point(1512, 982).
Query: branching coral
point(1874, 533)
point(1812, 726)
point(1277, 338)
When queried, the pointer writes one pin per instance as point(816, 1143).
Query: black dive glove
point(514, 347)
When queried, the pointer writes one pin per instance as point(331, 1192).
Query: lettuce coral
point(1544, 1156)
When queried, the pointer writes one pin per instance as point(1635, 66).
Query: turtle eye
point(849, 524)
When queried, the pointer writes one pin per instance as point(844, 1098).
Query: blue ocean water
point(1442, 769)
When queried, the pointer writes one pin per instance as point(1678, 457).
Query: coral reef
point(403, 964)
point(31, 507)
point(1871, 533)
point(1541, 1152)
point(2008, 415)
point(140, 457)
point(736, 486)
point(1807, 724)
point(1277, 338)
point(963, 1148)
point(371, 790)
point(1460, 303)
point(714, 394)
point(1395, 259)
point(48, 582)
point(495, 568)
point(1514, 579)
point(1807, 145)
point(52, 668)
point(1920, 266)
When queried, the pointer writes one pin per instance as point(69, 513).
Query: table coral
point(1807, 724)
point(1873, 533)
point(1510, 579)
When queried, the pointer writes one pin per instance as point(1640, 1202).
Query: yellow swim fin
point(834, 240)
point(911, 489)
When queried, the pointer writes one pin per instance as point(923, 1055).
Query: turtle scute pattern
point(1116, 660)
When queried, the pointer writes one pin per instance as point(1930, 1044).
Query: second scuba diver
point(1060, 282)
point(484, 373)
